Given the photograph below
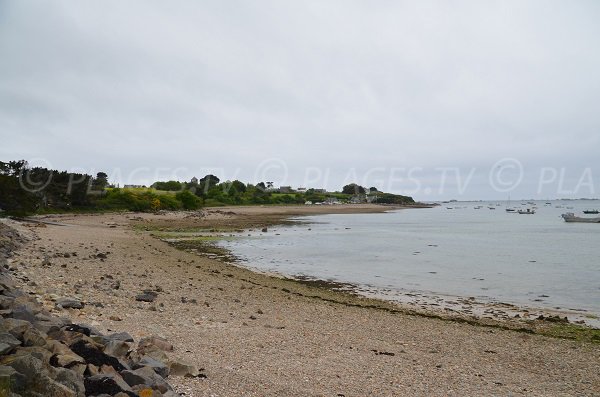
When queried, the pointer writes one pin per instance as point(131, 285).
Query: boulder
point(156, 341)
point(110, 384)
point(15, 327)
point(116, 348)
point(93, 354)
point(158, 367)
point(151, 379)
point(8, 342)
point(178, 368)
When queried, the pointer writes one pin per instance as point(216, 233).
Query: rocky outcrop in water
point(45, 355)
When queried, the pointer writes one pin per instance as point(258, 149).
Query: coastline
point(261, 335)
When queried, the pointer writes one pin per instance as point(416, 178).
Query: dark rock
point(146, 296)
point(110, 384)
point(151, 379)
point(69, 303)
point(8, 342)
point(79, 329)
point(92, 354)
point(158, 367)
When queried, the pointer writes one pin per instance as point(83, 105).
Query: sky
point(434, 99)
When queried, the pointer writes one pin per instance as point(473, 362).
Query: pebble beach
point(253, 334)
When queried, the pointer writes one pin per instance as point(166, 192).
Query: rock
point(73, 380)
point(66, 360)
point(117, 348)
point(69, 303)
point(158, 367)
point(110, 384)
point(115, 318)
point(33, 337)
point(93, 354)
point(146, 296)
point(8, 342)
point(152, 379)
point(177, 368)
point(11, 380)
point(15, 327)
point(264, 230)
point(157, 341)
point(122, 336)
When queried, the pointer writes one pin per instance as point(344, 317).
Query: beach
point(258, 335)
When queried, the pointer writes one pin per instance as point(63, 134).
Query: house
point(285, 189)
point(133, 186)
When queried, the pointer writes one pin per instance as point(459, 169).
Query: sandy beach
point(256, 335)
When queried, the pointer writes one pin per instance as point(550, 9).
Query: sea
point(473, 250)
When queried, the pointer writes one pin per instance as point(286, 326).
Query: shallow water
point(529, 260)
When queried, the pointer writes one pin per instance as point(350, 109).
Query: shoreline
point(427, 303)
point(259, 335)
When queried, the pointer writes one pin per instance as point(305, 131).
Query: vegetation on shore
point(25, 190)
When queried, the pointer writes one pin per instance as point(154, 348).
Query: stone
point(157, 341)
point(15, 327)
point(8, 342)
point(178, 368)
point(33, 337)
point(110, 384)
point(73, 380)
point(92, 354)
point(11, 380)
point(78, 328)
point(152, 379)
point(155, 353)
point(158, 367)
point(66, 360)
point(116, 348)
point(122, 336)
point(69, 303)
point(146, 296)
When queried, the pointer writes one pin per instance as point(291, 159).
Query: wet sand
point(256, 335)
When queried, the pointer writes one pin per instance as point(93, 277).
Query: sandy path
point(258, 336)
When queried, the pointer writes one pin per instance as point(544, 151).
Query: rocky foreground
point(42, 354)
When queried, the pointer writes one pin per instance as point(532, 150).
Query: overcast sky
point(437, 99)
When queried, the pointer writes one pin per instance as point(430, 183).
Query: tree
point(205, 184)
point(373, 189)
point(353, 189)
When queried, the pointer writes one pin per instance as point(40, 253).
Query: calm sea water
point(533, 260)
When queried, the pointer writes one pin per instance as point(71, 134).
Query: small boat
point(528, 211)
point(570, 217)
point(492, 208)
point(510, 210)
point(591, 212)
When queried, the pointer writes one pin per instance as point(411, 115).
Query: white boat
point(529, 211)
point(570, 217)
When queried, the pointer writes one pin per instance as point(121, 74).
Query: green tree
point(353, 189)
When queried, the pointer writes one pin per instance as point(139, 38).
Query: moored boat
point(529, 211)
point(570, 217)
point(591, 212)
